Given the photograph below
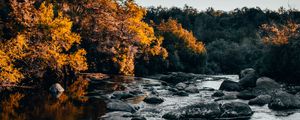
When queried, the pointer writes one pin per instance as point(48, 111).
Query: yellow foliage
point(172, 26)
point(46, 43)
point(279, 34)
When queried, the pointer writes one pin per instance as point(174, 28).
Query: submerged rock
point(56, 90)
point(282, 100)
point(260, 100)
point(154, 100)
point(247, 94)
point(177, 77)
point(118, 105)
point(181, 93)
point(192, 89)
point(207, 110)
point(228, 85)
point(181, 86)
point(236, 110)
point(218, 94)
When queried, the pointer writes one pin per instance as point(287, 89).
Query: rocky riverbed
point(198, 96)
point(173, 96)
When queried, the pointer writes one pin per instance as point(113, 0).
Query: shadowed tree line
point(248, 37)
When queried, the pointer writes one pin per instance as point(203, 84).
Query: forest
point(43, 42)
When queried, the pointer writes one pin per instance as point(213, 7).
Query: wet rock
point(207, 89)
point(228, 85)
point(116, 115)
point(281, 100)
point(247, 94)
point(248, 78)
point(181, 93)
point(154, 100)
point(118, 105)
point(267, 84)
point(172, 89)
point(181, 86)
point(218, 94)
point(177, 77)
point(236, 110)
point(207, 110)
point(121, 95)
point(260, 100)
point(227, 97)
point(246, 72)
point(138, 118)
point(56, 90)
point(192, 89)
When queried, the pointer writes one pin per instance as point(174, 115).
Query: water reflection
point(71, 105)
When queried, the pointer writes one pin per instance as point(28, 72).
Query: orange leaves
point(45, 43)
point(279, 34)
point(171, 26)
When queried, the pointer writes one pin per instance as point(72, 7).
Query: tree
point(45, 42)
point(114, 34)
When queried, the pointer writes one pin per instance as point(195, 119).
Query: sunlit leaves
point(279, 34)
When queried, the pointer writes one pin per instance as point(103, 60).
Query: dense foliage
point(49, 39)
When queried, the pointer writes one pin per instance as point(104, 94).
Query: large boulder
point(248, 78)
point(260, 100)
point(56, 90)
point(180, 86)
point(154, 100)
point(237, 110)
point(267, 84)
point(208, 110)
point(281, 100)
point(118, 105)
point(228, 85)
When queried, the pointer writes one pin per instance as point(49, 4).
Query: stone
point(236, 110)
point(206, 110)
point(118, 105)
point(267, 83)
point(177, 77)
point(260, 100)
point(228, 85)
point(281, 100)
point(181, 86)
point(192, 89)
point(56, 90)
point(181, 93)
point(247, 94)
point(138, 118)
point(121, 95)
point(248, 78)
point(246, 72)
point(154, 100)
point(218, 94)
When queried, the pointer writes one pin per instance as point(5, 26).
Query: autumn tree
point(281, 60)
point(44, 42)
point(186, 53)
point(113, 34)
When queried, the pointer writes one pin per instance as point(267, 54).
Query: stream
point(43, 106)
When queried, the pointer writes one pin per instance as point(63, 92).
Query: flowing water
point(43, 106)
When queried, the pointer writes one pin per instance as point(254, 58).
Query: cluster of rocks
point(211, 110)
point(260, 91)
